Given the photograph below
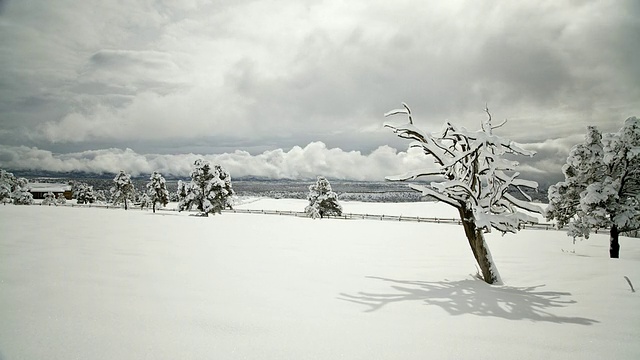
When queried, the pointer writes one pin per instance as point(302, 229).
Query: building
point(38, 190)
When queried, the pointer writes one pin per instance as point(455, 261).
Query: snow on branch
point(489, 127)
point(412, 175)
point(473, 170)
point(524, 205)
point(406, 111)
point(427, 191)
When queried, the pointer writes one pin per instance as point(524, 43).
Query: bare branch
point(405, 111)
point(486, 109)
point(395, 112)
point(499, 125)
point(408, 112)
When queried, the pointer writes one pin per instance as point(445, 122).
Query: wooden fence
point(345, 216)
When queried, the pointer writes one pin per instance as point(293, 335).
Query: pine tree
point(322, 200)
point(84, 193)
point(21, 194)
point(602, 185)
point(209, 191)
point(475, 180)
point(8, 184)
point(157, 190)
point(123, 189)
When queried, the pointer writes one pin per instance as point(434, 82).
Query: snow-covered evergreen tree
point(476, 180)
point(84, 193)
point(209, 190)
point(49, 199)
point(123, 190)
point(145, 202)
point(322, 200)
point(74, 188)
point(61, 200)
point(182, 191)
point(21, 194)
point(8, 184)
point(100, 196)
point(602, 185)
point(157, 191)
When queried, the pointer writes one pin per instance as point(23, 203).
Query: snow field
point(107, 283)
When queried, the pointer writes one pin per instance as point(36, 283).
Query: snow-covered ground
point(92, 283)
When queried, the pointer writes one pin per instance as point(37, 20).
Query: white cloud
point(297, 163)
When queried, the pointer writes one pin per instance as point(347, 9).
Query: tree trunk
point(614, 245)
point(479, 247)
point(154, 207)
point(125, 203)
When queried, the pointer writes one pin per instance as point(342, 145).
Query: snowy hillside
point(92, 283)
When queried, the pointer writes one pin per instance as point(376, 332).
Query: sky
point(296, 89)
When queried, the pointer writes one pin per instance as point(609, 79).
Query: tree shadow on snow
point(475, 297)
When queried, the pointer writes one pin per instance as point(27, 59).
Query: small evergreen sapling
point(49, 199)
point(322, 200)
point(100, 196)
point(61, 200)
point(145, 202)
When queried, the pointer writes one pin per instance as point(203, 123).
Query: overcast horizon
point(284, 89)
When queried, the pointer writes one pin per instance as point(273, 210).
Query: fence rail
point(352, 216)
point(345, 216)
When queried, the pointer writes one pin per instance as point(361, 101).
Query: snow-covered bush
point(49, 199)
point(475, 180)
point(209, 190)
point(322, 200)
point(602, 185)
point(61, 200)
point(123, 190)
point(157, 191)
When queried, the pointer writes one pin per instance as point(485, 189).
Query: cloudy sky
point(283, 88)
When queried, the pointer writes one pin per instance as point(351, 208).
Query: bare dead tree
point(475, 180)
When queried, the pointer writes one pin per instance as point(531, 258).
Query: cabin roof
point(48, 187)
